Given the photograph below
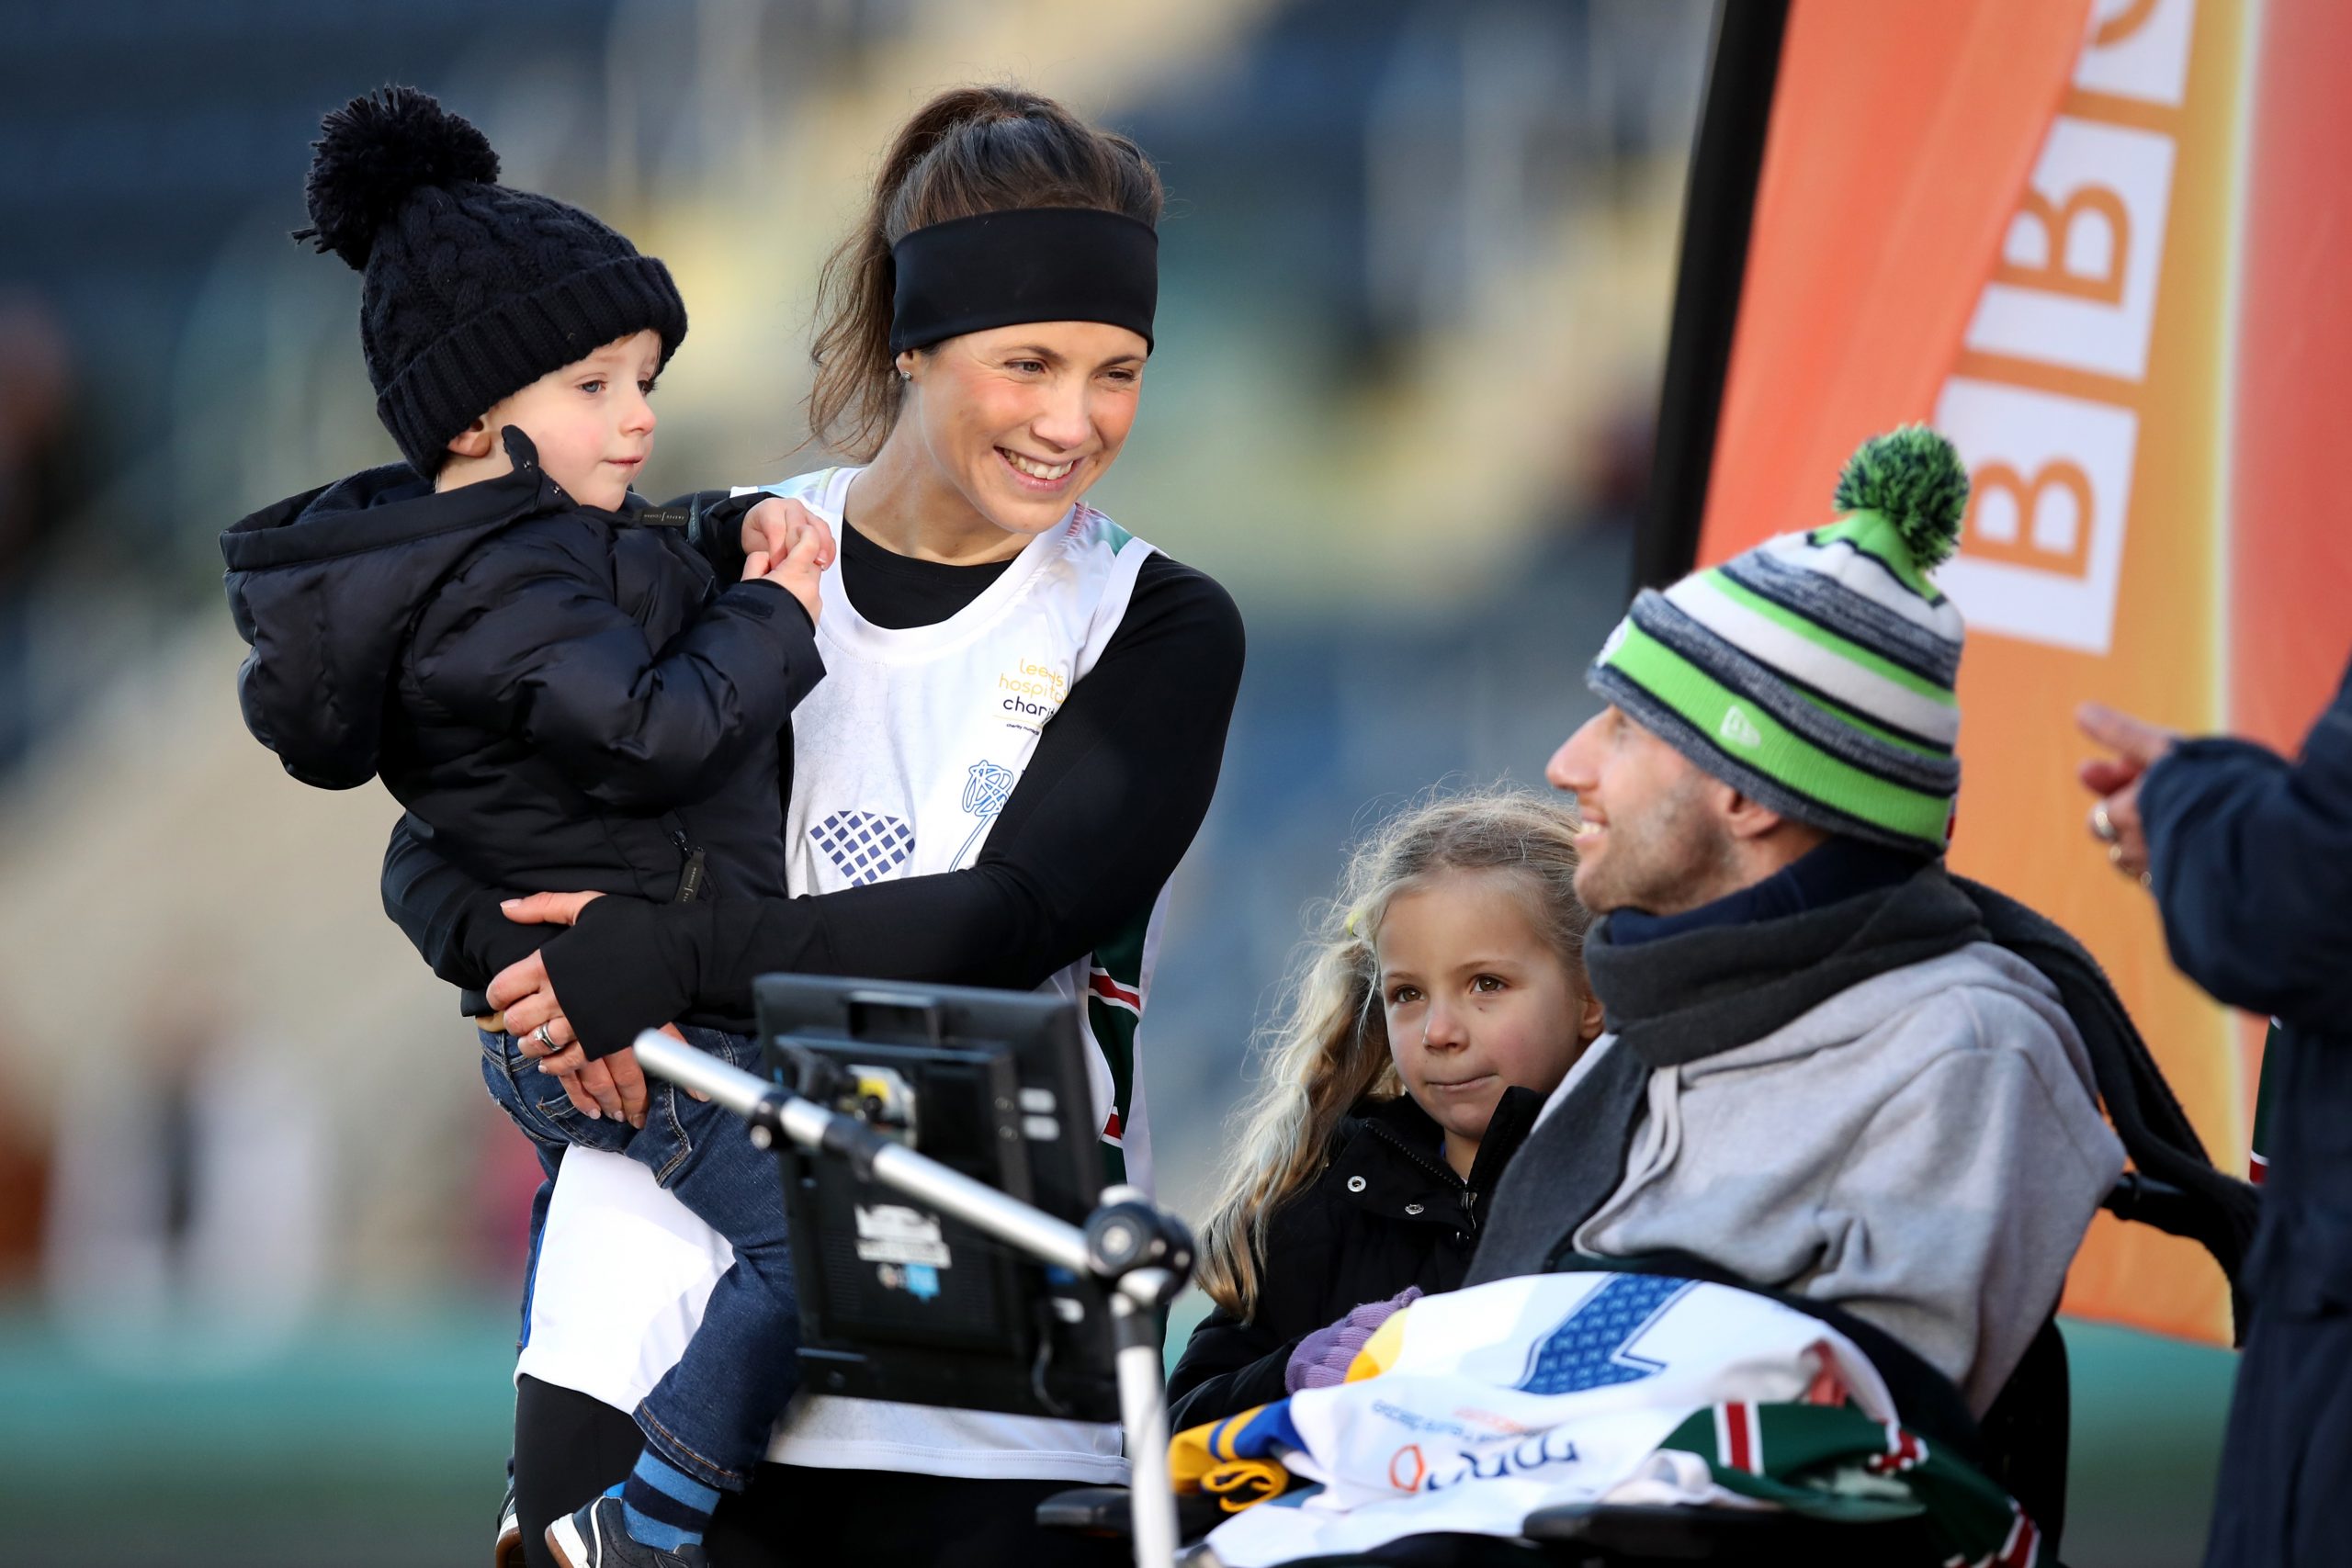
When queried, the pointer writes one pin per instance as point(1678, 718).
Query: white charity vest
point(1497, 1401)
point(902, 757)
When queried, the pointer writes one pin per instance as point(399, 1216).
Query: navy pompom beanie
point(470, 290)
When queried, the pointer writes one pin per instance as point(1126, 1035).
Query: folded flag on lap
point(1469, 1411)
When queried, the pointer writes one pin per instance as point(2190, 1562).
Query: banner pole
point(1725, 162)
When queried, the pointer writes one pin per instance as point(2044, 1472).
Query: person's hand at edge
point(2135, 746)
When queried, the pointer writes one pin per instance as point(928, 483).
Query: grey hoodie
point(1924, 1150)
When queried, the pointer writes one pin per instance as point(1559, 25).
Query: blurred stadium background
point(260, 1233)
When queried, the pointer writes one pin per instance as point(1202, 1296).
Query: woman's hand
point(536, 1020)
point(611, 1086)
point(2136, 745)
point(522, 991)
point(548, 908)
point(529, 1010)
point(787, 544)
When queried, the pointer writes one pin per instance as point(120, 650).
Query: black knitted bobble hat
point(469, 291)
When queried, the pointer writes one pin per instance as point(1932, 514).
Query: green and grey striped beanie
point(1814, 672)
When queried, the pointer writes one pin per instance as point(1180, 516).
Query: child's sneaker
point(595, 1537)
point(506, 1552)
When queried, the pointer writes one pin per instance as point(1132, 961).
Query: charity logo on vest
point(1032, 693)
point(987, 786)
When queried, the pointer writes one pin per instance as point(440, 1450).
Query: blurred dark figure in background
point(36, 480)
point(191, 1199)
point(2250, 858)
point(24, 1186)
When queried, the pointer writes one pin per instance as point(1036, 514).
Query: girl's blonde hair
point(1331, 1048)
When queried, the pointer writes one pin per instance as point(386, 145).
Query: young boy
point(561, 698)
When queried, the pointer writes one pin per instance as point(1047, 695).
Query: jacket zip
point(1462, 1193)
point(689, 880)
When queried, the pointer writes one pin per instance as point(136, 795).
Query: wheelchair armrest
point(1639, 1532)
point(1103, 1510)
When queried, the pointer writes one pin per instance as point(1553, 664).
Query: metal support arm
point(1141, 1254)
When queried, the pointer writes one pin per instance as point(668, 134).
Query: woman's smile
point(1035, 475)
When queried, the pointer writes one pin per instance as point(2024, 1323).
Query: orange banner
point(2094, 247)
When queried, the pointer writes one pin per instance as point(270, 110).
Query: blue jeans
point(711, 1415)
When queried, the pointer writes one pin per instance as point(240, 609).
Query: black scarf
point(1683, 997)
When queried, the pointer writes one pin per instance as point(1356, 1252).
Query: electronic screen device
point(897, 1301)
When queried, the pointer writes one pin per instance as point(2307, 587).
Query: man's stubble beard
point(1671, 857)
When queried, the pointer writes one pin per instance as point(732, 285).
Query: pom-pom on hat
point(1814, 672)
point(470, 291)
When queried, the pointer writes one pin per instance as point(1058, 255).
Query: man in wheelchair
point(1835, 1074)
point(1823, 1073)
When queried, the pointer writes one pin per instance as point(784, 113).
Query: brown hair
point(969, 151)
point(1330, 1048)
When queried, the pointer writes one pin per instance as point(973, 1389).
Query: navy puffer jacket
point(562, 699)
point(2252, 861)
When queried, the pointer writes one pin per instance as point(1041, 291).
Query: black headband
point(1034, 263)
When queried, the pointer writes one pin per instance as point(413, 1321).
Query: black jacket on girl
point(1387, 1212)
point(561, 698)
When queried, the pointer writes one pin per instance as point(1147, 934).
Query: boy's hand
point(776, 524)
point(771, 525)
point(808, 551)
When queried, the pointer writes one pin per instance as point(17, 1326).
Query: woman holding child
point(984, 336)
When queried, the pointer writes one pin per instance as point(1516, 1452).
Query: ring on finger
point(2102, 825)
point(544, 1038)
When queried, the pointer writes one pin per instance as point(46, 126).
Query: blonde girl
point(1442, 999)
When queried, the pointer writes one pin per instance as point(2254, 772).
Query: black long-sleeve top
point(1112, 796)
